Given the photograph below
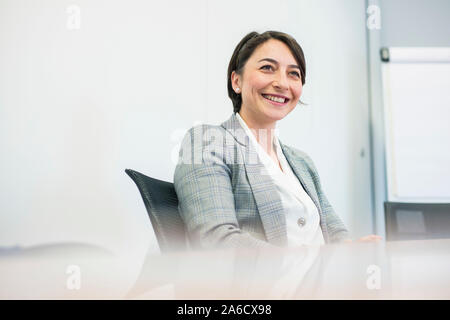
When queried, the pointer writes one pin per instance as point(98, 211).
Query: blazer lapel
point(301, 170)
point(263, 187)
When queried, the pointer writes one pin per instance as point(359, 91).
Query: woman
point(236, 183)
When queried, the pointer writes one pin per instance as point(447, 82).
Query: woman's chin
point(276, 114)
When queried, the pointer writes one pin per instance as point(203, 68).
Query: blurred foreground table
point(383, 270)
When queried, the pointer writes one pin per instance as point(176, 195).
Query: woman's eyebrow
point(276, 62)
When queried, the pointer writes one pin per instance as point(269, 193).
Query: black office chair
point(161, 203)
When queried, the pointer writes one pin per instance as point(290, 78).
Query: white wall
point(77, 107)
point(415, 23)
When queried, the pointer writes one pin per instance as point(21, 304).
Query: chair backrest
point(417, 221)
point(161, 202)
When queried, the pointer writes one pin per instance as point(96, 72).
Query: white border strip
point(419, 54)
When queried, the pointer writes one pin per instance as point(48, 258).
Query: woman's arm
point(202, 182)
point(336, 228)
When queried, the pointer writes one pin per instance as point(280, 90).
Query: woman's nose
point(280, 82)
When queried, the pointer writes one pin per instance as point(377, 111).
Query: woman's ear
point(236, 82)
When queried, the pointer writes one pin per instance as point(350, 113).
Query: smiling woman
point(230, 200)
point(270, 82)
point(269, 43)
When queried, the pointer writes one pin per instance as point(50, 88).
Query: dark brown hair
point(245, 49)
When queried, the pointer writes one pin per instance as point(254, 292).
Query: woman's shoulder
point(204, 135)
point(299, 155)
point(203, 127)
point(205, 142)
point(296, 152)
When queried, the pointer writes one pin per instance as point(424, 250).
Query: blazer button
point(301, 222)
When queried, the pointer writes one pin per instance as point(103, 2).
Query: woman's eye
point(296, 74)
point(267, 67)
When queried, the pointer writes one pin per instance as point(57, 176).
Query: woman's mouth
point(276, 99)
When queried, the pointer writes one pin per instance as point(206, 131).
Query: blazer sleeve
point(202, 181)
point(335, 227)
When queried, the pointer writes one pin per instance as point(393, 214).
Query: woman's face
point(270, 84)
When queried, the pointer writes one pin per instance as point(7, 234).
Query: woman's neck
point(263, 131)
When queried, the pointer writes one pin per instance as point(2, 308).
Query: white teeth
point(276, 99)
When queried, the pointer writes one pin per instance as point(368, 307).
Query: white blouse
point(302, 216)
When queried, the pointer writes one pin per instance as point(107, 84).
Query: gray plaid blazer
point(227, 199)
